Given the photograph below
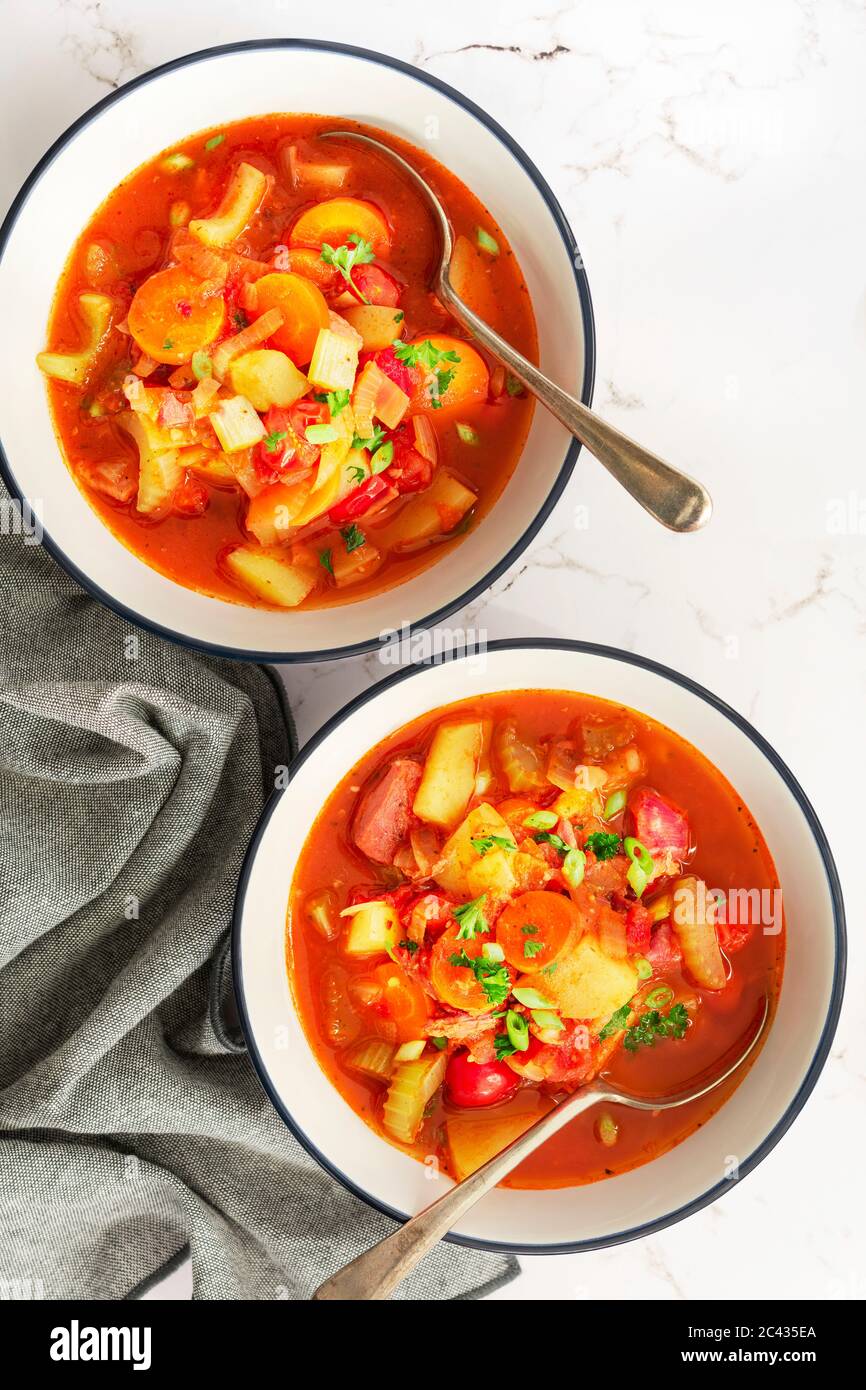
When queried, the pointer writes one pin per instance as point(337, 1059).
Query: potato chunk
point(449, 773)
point(273, 578)
point(459, 853)
point(586, 983)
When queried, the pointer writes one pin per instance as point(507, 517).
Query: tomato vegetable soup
point(252, 382)
point(512, 895)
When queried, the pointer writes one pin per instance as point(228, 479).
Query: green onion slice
point(321, 434)
point(574, 867)
point(517, 1029)
point(176, 163)
point(660, 997)
point(544, 1019)
point(541, 820)
point(531, 998)
point(643, 967)
point(491, 950)
point(614, 805)
point(467, 434)
point(382, 458)
point(486, 241)
point(637, 879)
point(202, 366)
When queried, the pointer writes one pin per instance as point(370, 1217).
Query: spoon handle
point(376, 1273)
point(673, 498)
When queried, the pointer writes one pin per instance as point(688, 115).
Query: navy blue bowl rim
point(581, 281)
point(824, 1043)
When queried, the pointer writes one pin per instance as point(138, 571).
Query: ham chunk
point(662, 828)
point(385, 812)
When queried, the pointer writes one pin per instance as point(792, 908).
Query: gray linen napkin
point(132, 1124)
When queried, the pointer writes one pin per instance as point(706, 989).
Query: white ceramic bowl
point(745, 1128)
point(209, 89)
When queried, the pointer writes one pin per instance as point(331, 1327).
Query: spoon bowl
point(375, 1274)
point(673, 498)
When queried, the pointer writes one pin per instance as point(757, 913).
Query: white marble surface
point(710, 158)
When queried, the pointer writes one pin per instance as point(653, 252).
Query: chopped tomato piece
point(638, 927)
point(190, 497)
point(376, 286)
point(471, 1084)
point(359, 500)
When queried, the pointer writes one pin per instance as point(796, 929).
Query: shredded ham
point(174, 413)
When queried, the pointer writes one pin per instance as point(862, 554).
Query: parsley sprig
point(355, 251)
point(353, 537)
point(547, 837)
point(603, 845)
point(470, 917)
point(653, 1025)
point(485, 843)
point(335, 401)
point(372, 443)
point(273, 440)
point(426, 355)
point(492, 975)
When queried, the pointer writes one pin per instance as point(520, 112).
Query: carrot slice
point(457, 985)
point(307, 262)
point(170, 318)
point(303, 308)
point(332, 223)
point(469, 381)
point(535, 928)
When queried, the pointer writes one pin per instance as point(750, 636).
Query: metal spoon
point(672, 497)
point(376, 1273)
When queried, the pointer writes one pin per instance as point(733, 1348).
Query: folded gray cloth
point(132, 1124)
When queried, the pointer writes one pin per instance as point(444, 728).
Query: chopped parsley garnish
point(547, 837)
point(653, 1025)
point(532, 948)
point(357, 473)
point(615, 1023)
point(439, 1043)
point(503, 1046)
point(529, 929)
point(325, 561)
point(335, 400)
point(470, 917)
point(357, 251)
point(492, 975)
point(212, 143)
point(485, 843)
point(375, 439)
point(240, 319)
point(603, 845)
point(513, 386)
point(353, 536)
point(426, 355)
point(407, 945)
point(399, 316)
point(273, 440)
point(167, 345)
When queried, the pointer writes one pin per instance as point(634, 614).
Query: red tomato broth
point(730, 853)
point(191, 550)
